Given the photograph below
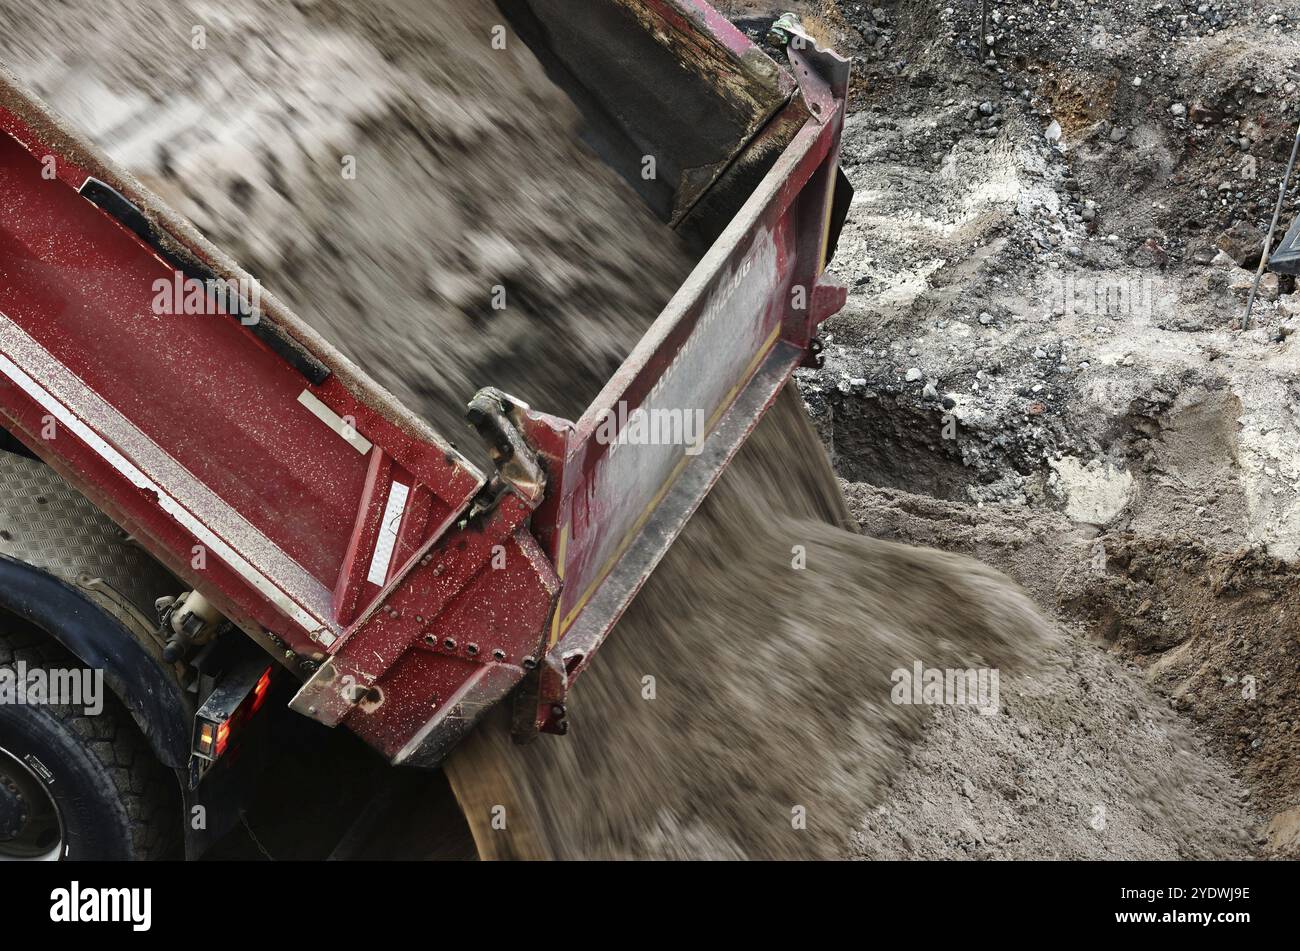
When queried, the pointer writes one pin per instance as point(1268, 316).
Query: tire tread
point(145, 788)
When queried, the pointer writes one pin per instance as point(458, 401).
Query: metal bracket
point(499, 420)
point(810, 61)
point(815, 357)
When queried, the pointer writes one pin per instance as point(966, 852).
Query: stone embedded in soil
point(1242, 242)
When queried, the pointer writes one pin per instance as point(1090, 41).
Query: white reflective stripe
point(346, 431)
point(387, 541)
point(315, 626)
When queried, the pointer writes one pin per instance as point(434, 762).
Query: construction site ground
point(1041, 364)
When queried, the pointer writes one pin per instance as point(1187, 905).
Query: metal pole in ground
point(1268, 242)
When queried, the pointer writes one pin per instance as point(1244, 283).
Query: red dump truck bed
point(406, 589)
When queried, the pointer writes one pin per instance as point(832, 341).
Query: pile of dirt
point(1055, 203)
point(745, 706)
point(1081, 766)
point(1087, 761)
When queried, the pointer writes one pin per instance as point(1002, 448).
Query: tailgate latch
point(498, 418)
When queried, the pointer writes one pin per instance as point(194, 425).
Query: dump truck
point(231, 522)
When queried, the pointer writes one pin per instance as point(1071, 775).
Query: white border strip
point(345, 430)
point(394, 508)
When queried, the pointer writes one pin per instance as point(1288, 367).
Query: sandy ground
point(1088, 760)
point(1117, 476)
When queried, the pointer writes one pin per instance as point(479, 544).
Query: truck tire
point(75, 786)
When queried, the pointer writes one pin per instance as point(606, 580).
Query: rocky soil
point(1059, 212)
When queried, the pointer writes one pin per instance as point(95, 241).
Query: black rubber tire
point(115, 800)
